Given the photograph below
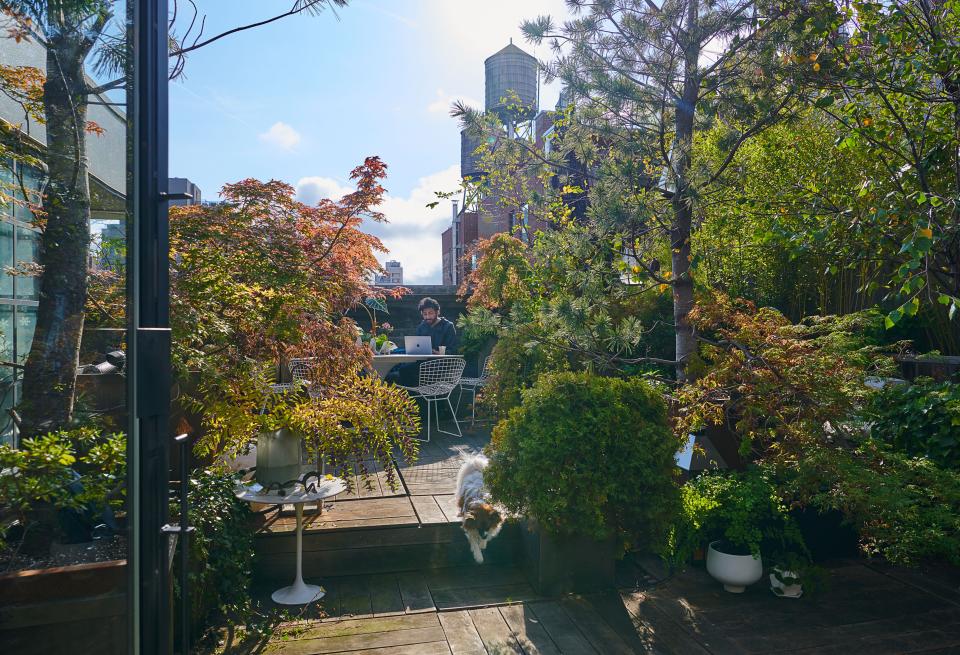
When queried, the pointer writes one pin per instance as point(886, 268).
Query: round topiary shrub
point(588, 455)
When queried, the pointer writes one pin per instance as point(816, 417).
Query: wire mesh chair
point(301, 373)
point(438, 379)
point(471, 385)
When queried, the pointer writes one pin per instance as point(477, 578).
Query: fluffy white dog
point(481, 520)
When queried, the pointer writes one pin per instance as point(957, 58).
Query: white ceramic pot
point(735, 572)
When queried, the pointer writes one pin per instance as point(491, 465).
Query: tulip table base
point(299, 593)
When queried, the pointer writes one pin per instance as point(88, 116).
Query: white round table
point(299, 593)
point(383, 363)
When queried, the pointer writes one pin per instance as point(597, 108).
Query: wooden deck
point(376, 529)
point(476, 609)
point(490, 610)
point(400, 580)
point(423, 497)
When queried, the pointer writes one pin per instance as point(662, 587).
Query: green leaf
point(376, 304)
point(825, 101)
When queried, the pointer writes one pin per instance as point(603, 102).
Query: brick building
point(510, 73)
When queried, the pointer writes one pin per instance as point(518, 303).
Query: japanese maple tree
point(261, 277)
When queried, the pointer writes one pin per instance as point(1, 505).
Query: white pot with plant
point(736, 513)
point(733, 568)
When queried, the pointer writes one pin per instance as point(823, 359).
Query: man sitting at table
point(440, 330)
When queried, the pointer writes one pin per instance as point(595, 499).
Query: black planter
point(559, 565)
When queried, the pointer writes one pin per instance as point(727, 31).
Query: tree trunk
point(682, 203)
point(49, 381)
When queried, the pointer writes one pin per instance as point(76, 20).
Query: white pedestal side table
point(299, 593)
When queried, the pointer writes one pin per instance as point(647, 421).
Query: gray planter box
point(560, 565)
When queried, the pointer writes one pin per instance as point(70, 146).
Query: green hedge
point(588, 455)
point(921, 420)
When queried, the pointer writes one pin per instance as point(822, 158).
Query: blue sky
point(305, 99)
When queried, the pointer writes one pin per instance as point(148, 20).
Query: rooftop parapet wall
point(404, 316)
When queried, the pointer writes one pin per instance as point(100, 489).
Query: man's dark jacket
point(441, 333)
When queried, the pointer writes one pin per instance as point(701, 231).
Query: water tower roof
point(509, 49)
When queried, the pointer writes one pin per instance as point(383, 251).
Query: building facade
point(19, 238)
point(393, 274)
point(512, 93)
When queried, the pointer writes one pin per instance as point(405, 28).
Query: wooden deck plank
point(594, 628)
point(362, 642)
point(351, 513)
point(466, 577)
point(558, 625)
point(496, 635)
point(448, 504)
point(658, 632)
point(345, 627)
point(427, 510)
point(483, 596)
point(415, 593)
point(355, 596)
point(611, 607)
point(530, 634)
point(462, 635)
point(385, 598)
point(435, 648)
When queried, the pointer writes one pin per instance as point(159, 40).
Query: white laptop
point(418, 345)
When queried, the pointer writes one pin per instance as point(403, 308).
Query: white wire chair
point(301, 373)
point(471, 385)
point(438, 378)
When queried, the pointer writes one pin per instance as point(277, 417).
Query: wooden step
point(377, 549)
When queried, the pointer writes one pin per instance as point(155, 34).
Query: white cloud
point(443, 101)
point(466, 33)
point(310, 190)
point(281, 135)
point(412, 233)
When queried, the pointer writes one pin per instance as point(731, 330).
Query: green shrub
point(515, 364)
point(588, 455)
point(921, 420)
point(743, 510)
point(905, 509)
point(221, 549)
point(77, 469)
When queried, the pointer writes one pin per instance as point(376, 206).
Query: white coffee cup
point(442, 349)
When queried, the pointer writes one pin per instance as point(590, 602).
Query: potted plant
point(350, 416)
point(794, 573)
point(60, 485)
point(588, 461)
point(737, 515)
point(57, 489)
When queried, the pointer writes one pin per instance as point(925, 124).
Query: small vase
point(782, 589)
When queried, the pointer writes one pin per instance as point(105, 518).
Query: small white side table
point(299, 593)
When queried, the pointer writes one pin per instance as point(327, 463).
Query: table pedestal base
point(299, 593)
